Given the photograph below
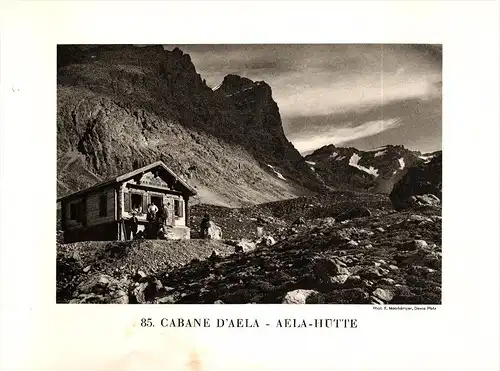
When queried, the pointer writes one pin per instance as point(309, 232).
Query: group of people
point(158, 219)
point(157, 222)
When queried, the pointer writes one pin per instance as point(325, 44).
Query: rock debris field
point(378, 256)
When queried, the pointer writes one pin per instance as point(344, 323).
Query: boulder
point(139, 292)
point(140, 276)
point(353, 281)
point(297, 296)
point(427, 200)
point(352, 244)
point(371, 272)
point(96, 284)
point(338, 279)
point(353, 213)
point(146, 291)
point(325, 268)
point(169, 299)
point(413, 245)
point(419, 219)
point(215, 254)
point(424, 257)
point(214, 232)
point(420, 244)
point(424, 180)
point(245, 246)
point(376, 301)
point(119, 297)
point(268, 240)
point(101, 288)
point(387, 281)
point(385, 295)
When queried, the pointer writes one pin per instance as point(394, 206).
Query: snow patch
point(216, 87)
point(340, 158)
point(401, 163)
point(334, 154)
point(311, 162)
point(381, 153)
point(312, 168)
point(427, 159)
point(353, 161)
point(278, 174)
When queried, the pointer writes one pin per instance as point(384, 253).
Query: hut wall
point(101, 207)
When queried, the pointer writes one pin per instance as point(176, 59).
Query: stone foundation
point(109, 232)
point(101, 232)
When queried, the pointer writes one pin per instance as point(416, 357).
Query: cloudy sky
point(362, 96)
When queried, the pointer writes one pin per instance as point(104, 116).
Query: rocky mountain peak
point(234, 82)
point(238, 87)
point(118, 105)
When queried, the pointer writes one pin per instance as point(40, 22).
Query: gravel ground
point(148, 255)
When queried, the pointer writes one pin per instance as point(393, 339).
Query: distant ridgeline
point(376, 170)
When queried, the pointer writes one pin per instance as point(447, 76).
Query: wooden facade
point(104, 211)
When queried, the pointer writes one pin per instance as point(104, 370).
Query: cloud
point(419, 129)
point(320, 95)
point(345, 134)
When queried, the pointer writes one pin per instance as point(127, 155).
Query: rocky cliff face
point(424, 179)
point(261, 128)
point(376, 170)
point(122, 107)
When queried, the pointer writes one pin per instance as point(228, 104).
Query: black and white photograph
point(249, 152)
point(249, 174)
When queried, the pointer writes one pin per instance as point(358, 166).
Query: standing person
point(152, 222)
point(160, 215)
point(152, 209)
point(134, 222)
point(205, 223)
point(148, 211)
point(133, 226)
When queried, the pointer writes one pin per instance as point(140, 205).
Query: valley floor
point(387, 257)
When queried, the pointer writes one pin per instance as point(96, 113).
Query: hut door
point(158, 201)
point(169, 203)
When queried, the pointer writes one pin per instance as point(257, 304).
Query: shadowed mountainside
point(122, 107)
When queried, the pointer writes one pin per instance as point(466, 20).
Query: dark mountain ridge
point(120, 107)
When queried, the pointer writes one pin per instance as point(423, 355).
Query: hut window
point(137, 201)
point(76, 211)
point(179, 208)
point(103, 205)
